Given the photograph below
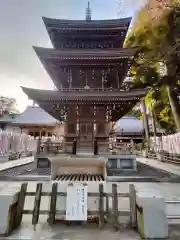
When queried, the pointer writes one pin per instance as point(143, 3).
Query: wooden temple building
point(37, 123)
point(87, 65)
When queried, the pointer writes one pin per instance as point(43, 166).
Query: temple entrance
point(86, 135)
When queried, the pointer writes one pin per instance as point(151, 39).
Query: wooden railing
point(162, 156)
point(57, 147)
point(103, 214)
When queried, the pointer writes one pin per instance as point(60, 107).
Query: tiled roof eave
point(34, 124)
point(93, 58)
point(50, 23)
point(48, 53)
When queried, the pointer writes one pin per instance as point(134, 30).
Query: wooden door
point(86, 131)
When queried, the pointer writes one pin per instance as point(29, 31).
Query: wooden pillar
point(40, 133)
point(154, 125)
point(94, 125)
point(77, 120)
point(117, 78)
point(145, 119)
point(77, 127)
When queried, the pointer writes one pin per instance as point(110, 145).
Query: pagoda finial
point(88, 12)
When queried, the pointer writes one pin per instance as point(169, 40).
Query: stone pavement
point(16, 163)
point(174, 169)
point(63, 232)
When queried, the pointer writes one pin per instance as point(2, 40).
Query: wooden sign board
point(76, 202)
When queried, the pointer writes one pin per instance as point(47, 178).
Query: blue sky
point(22, 27)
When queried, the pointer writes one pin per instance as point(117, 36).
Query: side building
point(37, 123)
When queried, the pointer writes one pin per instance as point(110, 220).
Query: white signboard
point(76, 202)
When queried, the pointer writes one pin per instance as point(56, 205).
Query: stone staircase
point(85, 147)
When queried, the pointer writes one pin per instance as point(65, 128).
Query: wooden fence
point(163, 156)
point(103, 214)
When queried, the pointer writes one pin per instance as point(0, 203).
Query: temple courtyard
point(18, 171)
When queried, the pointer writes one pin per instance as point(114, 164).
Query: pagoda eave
point(79, 24)
point(50, 53)
point(84, 95)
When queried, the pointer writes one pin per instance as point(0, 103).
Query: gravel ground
point(143, 170)
point(28, 169)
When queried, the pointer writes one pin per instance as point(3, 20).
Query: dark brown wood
point(107, 206)
point(63, 194)
point(101, 206)
point(38, 150)
point(37, 202)
point(20, 204)
point(115, 206)
point(11, 224)
point(63, 212)
point(52, 212)
point(139, 209)
point(133, 210)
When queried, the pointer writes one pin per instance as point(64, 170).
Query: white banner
point(76, 202)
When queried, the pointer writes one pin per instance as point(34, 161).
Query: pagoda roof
point(83, 94)
point(64, 54)
point(87, 25)
point(52, 101)
point(34, 115)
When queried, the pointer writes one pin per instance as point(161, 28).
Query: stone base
point(43, 162)
point(8, 203)
point(77, 165)
point(123, 162)
point(160, 156)
point(151, 215)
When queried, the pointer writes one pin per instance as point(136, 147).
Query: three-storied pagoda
point(87, 65)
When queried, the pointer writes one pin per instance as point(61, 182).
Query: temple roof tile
point(34, 115)
point(83, 94)
point(85, 53)
point(108, 23)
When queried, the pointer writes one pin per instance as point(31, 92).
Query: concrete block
point(151, 216)
point(122, 162)
point(8, 203)
point(160, 156)
point(77, 165)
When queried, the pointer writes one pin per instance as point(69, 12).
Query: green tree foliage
point(8, 106)
point(158, 41)
point(135, 112)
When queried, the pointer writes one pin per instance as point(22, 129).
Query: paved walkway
point(160, 165)
point(16, 163)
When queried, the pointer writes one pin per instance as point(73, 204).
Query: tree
point(8, 106)
point(135, 112)
point(158, 42)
